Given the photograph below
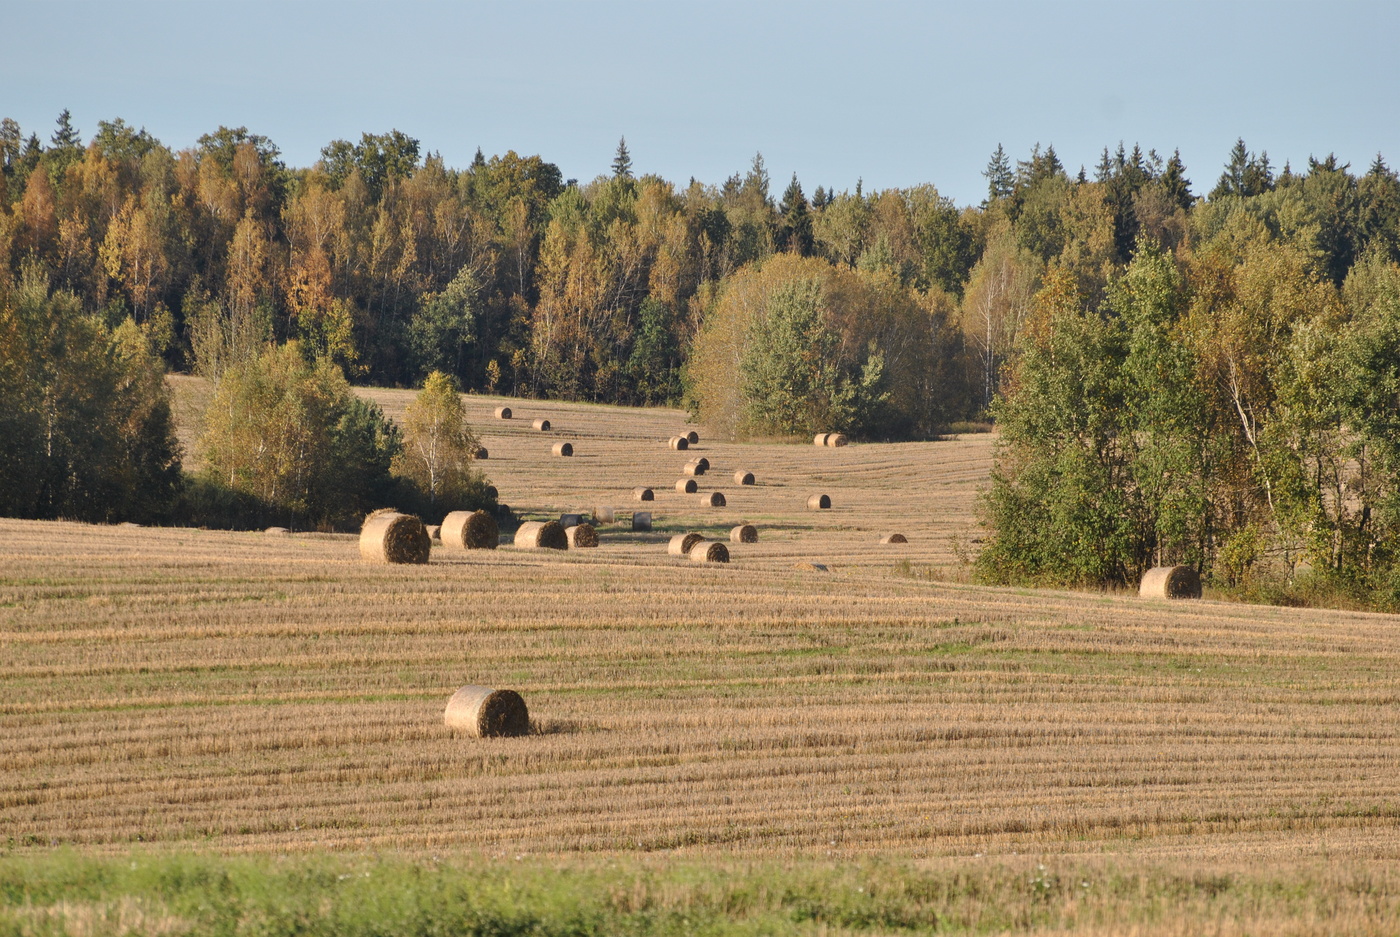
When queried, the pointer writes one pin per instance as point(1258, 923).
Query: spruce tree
point(998, 176)
point(622, 161)
point(796, 232)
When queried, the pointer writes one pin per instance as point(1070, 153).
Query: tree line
point(1177, 375)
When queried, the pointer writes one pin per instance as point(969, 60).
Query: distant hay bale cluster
point(390, 537)
point(477, 530)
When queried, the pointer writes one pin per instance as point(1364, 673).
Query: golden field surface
point(254, 692)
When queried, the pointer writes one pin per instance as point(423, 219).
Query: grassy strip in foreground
point(62, 893)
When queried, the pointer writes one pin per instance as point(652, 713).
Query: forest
point(1202, 373)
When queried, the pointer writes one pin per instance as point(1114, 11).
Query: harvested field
point(241, 692)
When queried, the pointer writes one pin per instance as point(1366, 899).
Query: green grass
point(350, 895)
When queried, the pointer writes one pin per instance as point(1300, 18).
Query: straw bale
point(820, 439)
point(687, 486)
point(703, 463)
point(1170, 582)
point(580, 536)
point(692, 437)
point(641, 520)
point(894, 538)
point(604, 515)
point(818, 503)
point(434, 532)
point(835, 439)
point(485, 713)
point(570, 520)
point(715, 499)
point(390, 537)
point(563, 448)
point(470, 530)
point(503, 413)
point(541, 535)
point(681, 543)
point(694, 468)
point(541, 425)
point(678, 442)
point(742, 477)
point(744, 533)
point(709, 551)
point(643, 493)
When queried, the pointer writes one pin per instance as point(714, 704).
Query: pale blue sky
point(897, 93)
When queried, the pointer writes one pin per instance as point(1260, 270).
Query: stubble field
point(245, 692)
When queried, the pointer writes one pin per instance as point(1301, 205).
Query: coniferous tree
point(1175, 183)
point(622, 161)
point(796, 232)
point(1000, 181)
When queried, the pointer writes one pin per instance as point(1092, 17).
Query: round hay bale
point(603, 515)
point(894, 538)
point(641, 520)
point(708, 551)
point(470, 530)
point(390, 537)
point(541, 535)
point(563, 448)
point(694, 468)
point(744, 533)
point(480, 453)
point(580, 536)
point(486, 713)
point(434, 532)
point(277, 531)
point(541, 425)
point(1170, 582)
point(742, 477)
point(703, 463)
point(818, 503)
point(715, 499)
point(642, 493)
point(678, 442)
point(692, 437)
point(681, 543)
point(687, 486)
point(503, 413)
point(835, 439)
point(820, 439)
